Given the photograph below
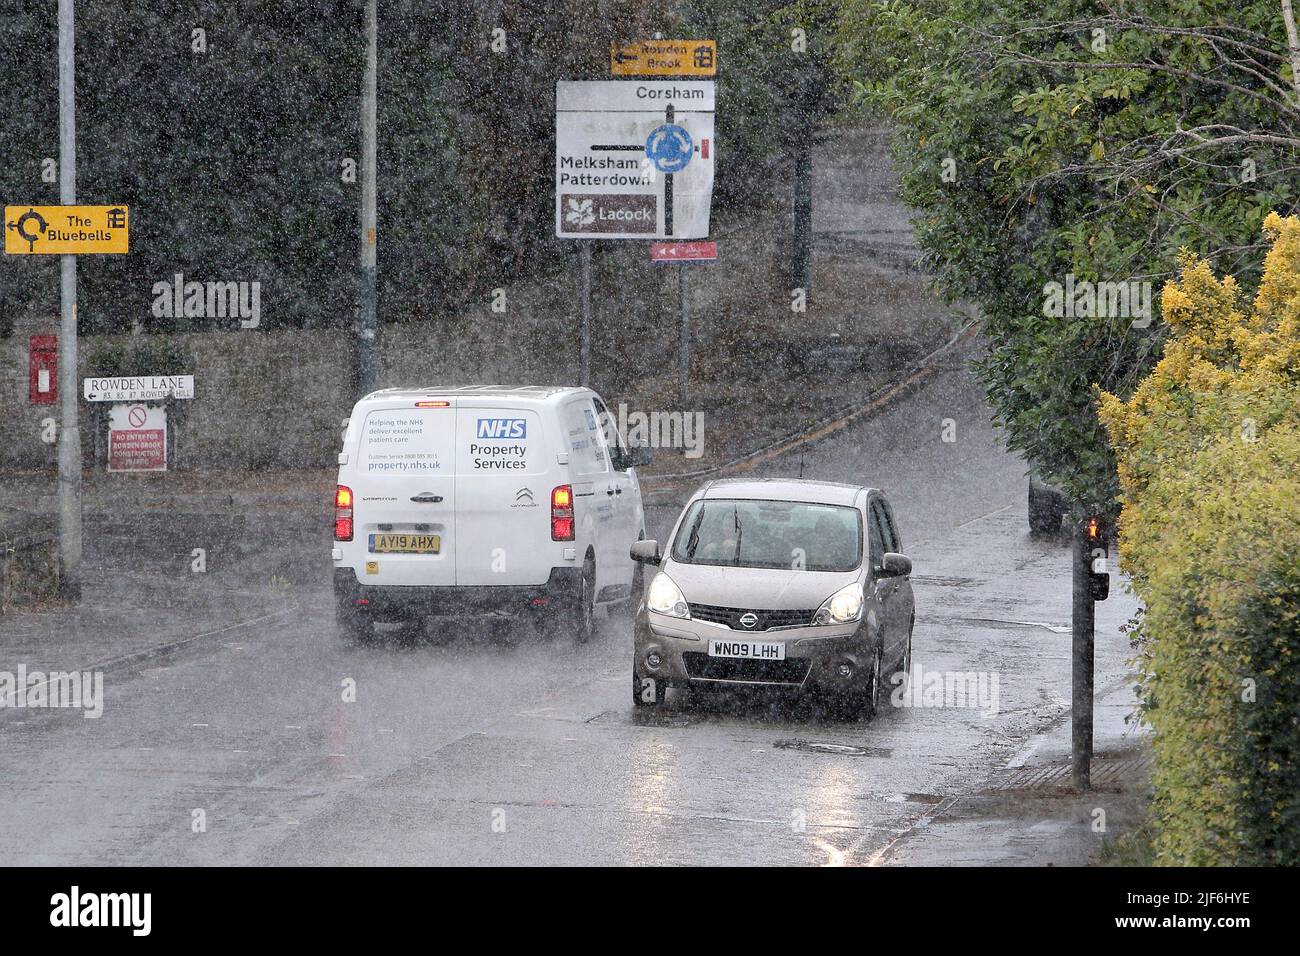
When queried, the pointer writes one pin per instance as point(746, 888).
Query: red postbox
point(43, 378)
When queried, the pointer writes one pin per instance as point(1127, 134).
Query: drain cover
point(1107, 770)
point(843, 750)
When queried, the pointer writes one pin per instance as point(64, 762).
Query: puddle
point(842, 750)
point(929, 799)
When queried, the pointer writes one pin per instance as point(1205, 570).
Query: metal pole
point(801, 254)
point(366, 371)
point(70, 432)
point(684, 352)
point(1081, 623)
point(584, 334)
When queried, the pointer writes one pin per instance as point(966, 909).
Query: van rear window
point(408, 441)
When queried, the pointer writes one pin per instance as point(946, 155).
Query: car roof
point(533, 392)
point(785, 489)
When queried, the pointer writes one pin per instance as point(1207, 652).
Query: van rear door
point(503, 495)
point(405, 495)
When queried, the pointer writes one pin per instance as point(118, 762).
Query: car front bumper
point(813, 655)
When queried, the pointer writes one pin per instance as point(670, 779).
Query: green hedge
point(1209, 452)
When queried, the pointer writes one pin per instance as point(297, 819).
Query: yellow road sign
point(63, 230)
point(664, 58)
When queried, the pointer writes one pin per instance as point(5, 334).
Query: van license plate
point(405, 543)
point(753, 650)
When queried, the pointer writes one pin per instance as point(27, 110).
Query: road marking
point(834, 856)
point(989, 514)
point(919, 823)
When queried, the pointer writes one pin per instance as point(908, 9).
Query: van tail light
point(562, 513)
point(343, 513)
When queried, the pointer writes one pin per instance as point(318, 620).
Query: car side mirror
point(895, 565)
point(645, 552)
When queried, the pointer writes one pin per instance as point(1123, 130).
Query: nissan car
point(798, 585)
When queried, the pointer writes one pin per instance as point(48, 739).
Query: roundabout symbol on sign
point(669, 148)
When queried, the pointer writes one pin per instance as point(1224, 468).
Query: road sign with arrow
point(664, 58)
point(634, 159)
point(67, 230)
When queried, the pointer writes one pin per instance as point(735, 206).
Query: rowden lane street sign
point(66, 230)
point(634, 159)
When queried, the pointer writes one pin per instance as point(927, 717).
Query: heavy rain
point(650, 433)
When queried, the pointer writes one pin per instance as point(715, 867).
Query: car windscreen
point(745, 533)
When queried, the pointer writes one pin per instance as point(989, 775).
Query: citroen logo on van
point(524, 499)
point(748, 619)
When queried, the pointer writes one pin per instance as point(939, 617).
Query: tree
point(1050, 148)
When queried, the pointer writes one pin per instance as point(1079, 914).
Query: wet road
point(473, 751)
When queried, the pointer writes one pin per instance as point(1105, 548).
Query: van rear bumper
point(387, 601)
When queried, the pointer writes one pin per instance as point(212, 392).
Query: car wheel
point(905, 665)
point(645, 694)
point(1045, 511)
point(582, 616)
point(871, 694)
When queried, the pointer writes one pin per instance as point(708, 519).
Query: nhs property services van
point(462, 501)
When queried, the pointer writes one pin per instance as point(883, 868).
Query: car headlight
point(842, 607)
point(665, 597)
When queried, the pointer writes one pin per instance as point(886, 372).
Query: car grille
point(700, 666)
point(730, 616)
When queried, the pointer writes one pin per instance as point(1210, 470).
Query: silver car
point(781, 583)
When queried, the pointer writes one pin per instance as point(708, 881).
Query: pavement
point(239, 729)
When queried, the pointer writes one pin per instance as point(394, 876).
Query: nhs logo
point(502, 428)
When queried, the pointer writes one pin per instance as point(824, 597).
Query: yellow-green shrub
point(1209, 459)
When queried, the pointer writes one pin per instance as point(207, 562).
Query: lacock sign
point(634, 158)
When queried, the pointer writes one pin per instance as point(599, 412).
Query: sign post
point(70, 432)
point(683, 254)
point(584, 333)
point(68, 230)
point(634, 160)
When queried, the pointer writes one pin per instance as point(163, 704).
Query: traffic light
point(1098, 559)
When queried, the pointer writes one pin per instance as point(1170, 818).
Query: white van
point(484, 500)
